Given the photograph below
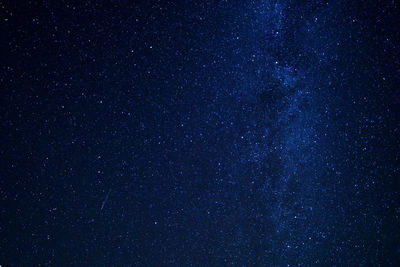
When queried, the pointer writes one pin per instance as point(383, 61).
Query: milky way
point(192, 133)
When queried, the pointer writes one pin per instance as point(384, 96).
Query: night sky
point(200, 133)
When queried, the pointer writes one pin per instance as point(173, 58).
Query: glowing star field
point(200, 133)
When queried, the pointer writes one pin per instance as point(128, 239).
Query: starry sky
point(195, 133)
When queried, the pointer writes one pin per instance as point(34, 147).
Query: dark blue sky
point(194, 133)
